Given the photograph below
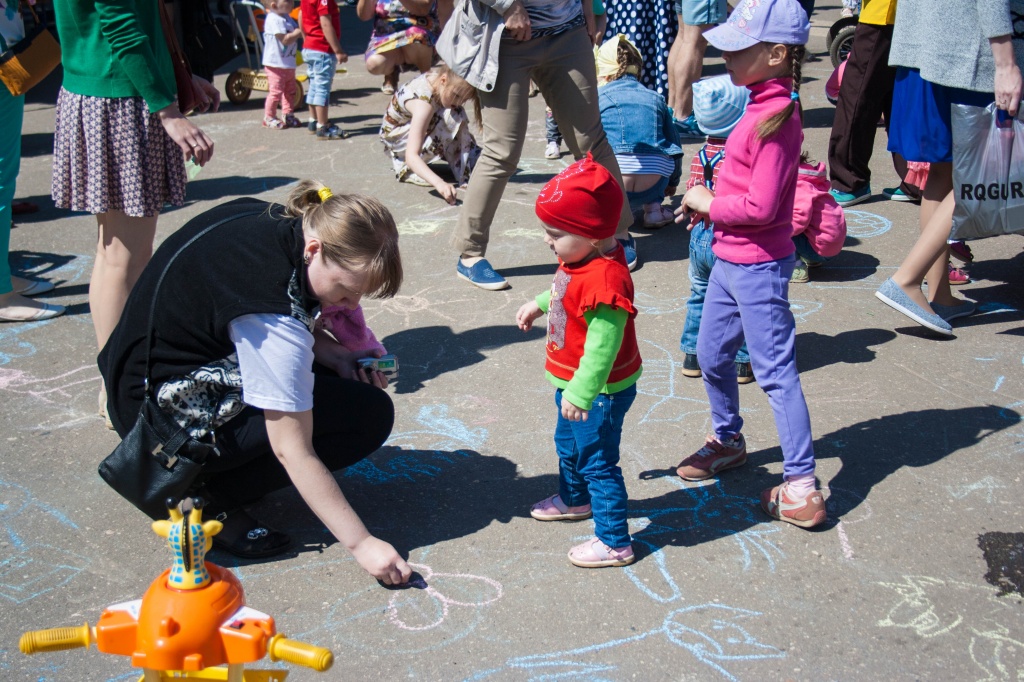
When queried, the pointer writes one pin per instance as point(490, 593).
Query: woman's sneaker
point(714, 457)
point(806, 513)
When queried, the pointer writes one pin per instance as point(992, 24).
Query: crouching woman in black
point(237, 358)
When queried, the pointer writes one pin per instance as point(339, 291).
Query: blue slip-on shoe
point(629, 246)
point(688, 129)
point(951, 312)
point(891, 295)
point(481, 274)
point(845, 199)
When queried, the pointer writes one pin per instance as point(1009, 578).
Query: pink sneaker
point(553, 509)
point(806, 513)
point(714, 457)
point(958, 276)
point(595, 554)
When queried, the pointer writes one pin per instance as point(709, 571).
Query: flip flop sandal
point(595, 554)
point(550, 510)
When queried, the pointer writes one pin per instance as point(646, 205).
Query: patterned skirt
point(112, 154)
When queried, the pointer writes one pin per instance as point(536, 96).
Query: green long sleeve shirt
point(605, 329)
point(115, 48)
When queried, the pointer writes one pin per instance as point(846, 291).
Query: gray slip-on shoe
point(894, 297)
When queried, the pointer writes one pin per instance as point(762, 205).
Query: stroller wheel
point(841, 46)
point(236, 89)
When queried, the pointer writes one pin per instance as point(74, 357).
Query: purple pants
point(752, 302)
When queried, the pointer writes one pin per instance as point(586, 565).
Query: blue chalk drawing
point(803, 309)
point(441, 442)
point(993, 307)
point(662, 373)
point(708, 509)
point(999, 382)
point(986, 486)
point(712, 633)
point(652, 305)
point(29, 569)
point(12, 346)
point(863, 225)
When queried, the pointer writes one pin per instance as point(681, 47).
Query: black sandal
point(247, 538)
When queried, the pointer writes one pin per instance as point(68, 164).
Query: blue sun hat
point(761, 21)
point(718, 105)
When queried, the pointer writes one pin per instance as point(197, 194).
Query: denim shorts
point(320, 67)
point(701, 12)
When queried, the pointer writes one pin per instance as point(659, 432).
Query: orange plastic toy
point(191, 621)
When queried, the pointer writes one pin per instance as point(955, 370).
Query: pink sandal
point(553, 509)
point(595, 554)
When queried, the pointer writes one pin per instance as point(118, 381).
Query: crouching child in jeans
point(592, 356)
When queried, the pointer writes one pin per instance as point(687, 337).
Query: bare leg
point(688, 65)
point(320, 114)
point(384, 63)
point(673, 65)
point(927, 258)
point(123, 249)
point(419, 55)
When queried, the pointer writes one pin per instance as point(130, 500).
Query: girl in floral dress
point(424, 123)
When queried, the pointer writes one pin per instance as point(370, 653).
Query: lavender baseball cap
point(761, 21)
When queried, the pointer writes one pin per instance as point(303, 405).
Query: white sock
point(801, 486)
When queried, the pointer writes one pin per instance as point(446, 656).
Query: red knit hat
point(584, 200)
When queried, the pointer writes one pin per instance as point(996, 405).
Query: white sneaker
point(846, 13)
point(553, 151)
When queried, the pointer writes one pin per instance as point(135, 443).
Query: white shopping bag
point(988, 172)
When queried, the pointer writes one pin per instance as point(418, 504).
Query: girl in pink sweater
point(748, 292)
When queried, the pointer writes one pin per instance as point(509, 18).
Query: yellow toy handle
point(293, 651)
point(55, 639)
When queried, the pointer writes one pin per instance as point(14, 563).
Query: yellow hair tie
point(325, 194)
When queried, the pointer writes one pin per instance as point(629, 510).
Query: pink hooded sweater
point(753, 205)
point(816, 215)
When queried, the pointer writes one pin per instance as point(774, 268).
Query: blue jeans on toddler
point(702, 259)
point(752, 301)
point(320, 68)
point(588, 463)
point(551, 131)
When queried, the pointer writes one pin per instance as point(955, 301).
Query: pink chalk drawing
point(411, 601)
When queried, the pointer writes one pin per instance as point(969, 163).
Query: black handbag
point(158, 458)
point(209, 41)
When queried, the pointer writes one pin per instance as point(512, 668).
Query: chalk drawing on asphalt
point(716, 635)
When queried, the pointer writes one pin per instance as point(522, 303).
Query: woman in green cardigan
point(120, 143)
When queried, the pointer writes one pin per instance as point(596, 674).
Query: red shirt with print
point(313, 33)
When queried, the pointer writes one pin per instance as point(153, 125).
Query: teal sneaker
point(897, 194)
point(845, 199)
point(688, 129)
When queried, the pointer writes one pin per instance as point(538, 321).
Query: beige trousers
point(563, 68)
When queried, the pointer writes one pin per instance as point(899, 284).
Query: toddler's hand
point(447, 192)
point(527, 314)
point(342, 57)
point(571, 412)
point(698, 199)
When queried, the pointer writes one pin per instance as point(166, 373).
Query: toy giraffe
point(190, 539)
point(191, 621)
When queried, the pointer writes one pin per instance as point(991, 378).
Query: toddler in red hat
point(592, 356)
